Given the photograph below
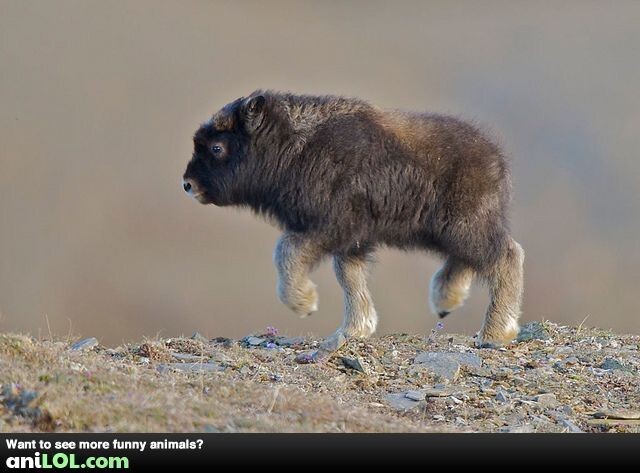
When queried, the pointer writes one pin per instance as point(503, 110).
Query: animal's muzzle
point(189, 186)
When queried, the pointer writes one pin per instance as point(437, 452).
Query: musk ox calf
point(342, 177)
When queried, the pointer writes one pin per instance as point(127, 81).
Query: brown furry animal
point(342, 177)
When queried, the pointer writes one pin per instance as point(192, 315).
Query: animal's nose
point(186, 185)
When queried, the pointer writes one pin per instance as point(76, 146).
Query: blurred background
point(99, 100)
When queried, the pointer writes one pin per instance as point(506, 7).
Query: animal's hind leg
point(505, 280)
point(450, 286)
point(294, 257)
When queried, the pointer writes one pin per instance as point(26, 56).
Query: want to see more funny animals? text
point(342, 177)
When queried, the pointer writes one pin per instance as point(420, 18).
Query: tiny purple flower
point(439, 325)
point(271, 331)
point(271, 345)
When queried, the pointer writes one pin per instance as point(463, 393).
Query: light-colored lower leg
point(506, 286)
point(294, 257)
point(360, 318)
point(450, 286)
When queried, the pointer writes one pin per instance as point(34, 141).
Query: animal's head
point(223, 152)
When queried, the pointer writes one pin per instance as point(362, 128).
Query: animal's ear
point(253, 106)
point(253, 112)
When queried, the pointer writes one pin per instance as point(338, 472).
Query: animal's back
point(399, 178)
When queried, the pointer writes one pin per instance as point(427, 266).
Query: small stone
point(560, 366)
point(464, 359)
point(400, 402)
point(565, 422)
point(415, 395)
point(188, 357)
point(517, 429)
point(622, 414)
point(435, 392)
point(481, 372)
point(352, 363)
point(532, 331)
point(502, 396)
point(85, 344)
point(10, 391)
point(515, 418)
point(447, 369)
point(468, 360)
point(289, 341)
point(306, 357)
point(546, 400)
point(447, 365)
point(567, 410)
point(190, 367)
point(197, 336)
point(501, 373)
point(485, 383)
point(613, 364)
point(224, 341)
point(571, 427)
point(255, 341)
point(488, 390)
point(572, 360)
point(220, 357)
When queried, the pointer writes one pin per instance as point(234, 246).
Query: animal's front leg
point(450, 286)
point(360, 317)
point(294, 257)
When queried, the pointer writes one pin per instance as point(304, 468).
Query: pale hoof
point(327, 348)
point(303, 302)
point(484, 341)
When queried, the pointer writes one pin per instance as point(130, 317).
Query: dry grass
point(47, 386)
point(120, 390)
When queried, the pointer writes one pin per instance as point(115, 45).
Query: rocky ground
point(554, 379)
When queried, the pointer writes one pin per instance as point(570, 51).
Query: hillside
point(555, 379)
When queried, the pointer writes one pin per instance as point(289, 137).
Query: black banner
point(299, 452)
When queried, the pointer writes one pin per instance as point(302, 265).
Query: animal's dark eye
point(216, 149)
